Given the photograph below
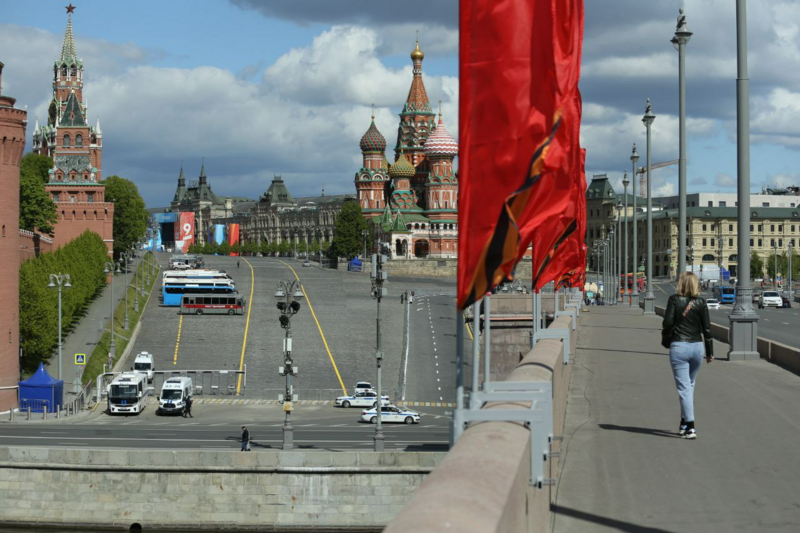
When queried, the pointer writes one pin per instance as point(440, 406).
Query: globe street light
point(635, 255)
point(112, 351)
point(625, 183)
point(59, 280)
point(288, 294)
point(649, 298)
point(679, 41)
point(744, 320)
point(619, 252)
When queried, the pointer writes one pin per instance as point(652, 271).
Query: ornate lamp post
point(620, 243)
point(288, 294)
point(112, 350)
point(625, 183)
point(59, 280)
point(379, 276)
point(635, 255)
point(679, 41)
point(744, 321)
point(649, 297)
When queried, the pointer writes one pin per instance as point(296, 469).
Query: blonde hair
point(688, 285)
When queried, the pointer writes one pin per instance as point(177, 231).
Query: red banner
point(233, 236)
point(184, 232)
point(519, 71)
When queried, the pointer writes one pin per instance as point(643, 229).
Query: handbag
point(666, 336)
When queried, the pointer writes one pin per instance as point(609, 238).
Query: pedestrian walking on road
point(188, 410)
point(687, 328)
point(237, 263)
point(245, 439)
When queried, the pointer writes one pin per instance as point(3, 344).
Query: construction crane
point(643, 175)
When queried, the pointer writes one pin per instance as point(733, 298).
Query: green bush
point(84, 260)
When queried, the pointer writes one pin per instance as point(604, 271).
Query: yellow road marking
point(178, 341)
point(246, 324)
point(325, 342)
point(469, 330)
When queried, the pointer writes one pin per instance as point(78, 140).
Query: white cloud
point(724, 180)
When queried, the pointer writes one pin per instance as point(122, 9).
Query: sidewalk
point(625, 469)
point(88, 331)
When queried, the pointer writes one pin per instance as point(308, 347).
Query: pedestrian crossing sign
point(80, 358)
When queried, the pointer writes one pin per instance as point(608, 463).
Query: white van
point(144, 364)
point(174, 394)
point(128, 393)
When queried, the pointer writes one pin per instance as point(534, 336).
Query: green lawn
point(99, 356)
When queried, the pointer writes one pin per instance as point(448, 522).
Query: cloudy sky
point(263, 87)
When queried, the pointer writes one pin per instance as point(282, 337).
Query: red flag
point(519, 67)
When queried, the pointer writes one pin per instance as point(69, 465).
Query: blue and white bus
point(725, 295)
point(172, 290)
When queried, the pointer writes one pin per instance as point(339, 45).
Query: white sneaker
point(690, 434)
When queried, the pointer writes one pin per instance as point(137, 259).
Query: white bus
point(196, 274)
point(172, 290)
point(128, 393)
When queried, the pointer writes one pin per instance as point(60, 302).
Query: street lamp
point(679, 41)
point(635, 255)
point(378, 276)
point(288, 294)
point(744, 320)
point(112, 351)
point(691, 255)
point(125, 256)
point(59, 280)
point(625, 183)
point(649, 298)
point(619, 251)
point(775, 273)
point(790, 249)
point(605, 267)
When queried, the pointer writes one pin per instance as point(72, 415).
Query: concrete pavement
point(625, 469)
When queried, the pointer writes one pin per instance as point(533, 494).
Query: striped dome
point(373, 141)
point(440, 143)
point(402, 168)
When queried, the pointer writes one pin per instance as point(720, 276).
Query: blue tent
point(355, 265)
point(39, 390)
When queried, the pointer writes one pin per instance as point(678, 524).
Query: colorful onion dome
point(402, 168)
point(373, 140)
point(441, 143)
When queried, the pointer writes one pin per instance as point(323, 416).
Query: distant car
point(306, 263)
point(361, 399)
point(363, 386)
point(712, 303)
point(770, 299)
point(786, 303)
point(390, 413)
point(756, 297)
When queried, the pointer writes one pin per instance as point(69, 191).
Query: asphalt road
point(333, 347)
point(219, 427)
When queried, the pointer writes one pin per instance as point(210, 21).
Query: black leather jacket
point(694, 327)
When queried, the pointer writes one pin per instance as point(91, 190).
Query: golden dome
point(417, 53)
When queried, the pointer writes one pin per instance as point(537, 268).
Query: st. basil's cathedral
point(412, 202)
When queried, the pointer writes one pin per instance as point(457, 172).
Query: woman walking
point(688, 328)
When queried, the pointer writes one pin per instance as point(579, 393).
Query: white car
point(391, 413)
point(363, 386)
point(712, 303)
point(361, 399)
point(770, 299)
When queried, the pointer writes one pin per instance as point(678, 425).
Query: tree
point(285, 248)
point(130, 216)
point(314, 248)
point(756, 266)
point(224, 249)
point(236, 248)
point(264, 247)
point(37, 211)
point(348, 240)
point(302, 247)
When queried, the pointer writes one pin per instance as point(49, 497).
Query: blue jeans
point(686, 358)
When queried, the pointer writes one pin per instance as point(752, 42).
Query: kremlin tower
point(412, 202)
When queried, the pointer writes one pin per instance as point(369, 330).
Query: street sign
point(80, 358)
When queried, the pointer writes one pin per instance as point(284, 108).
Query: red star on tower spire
point(70, 8)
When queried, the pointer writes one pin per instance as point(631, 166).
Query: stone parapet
point(331, 491)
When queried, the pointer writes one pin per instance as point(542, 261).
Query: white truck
point(144, 364)
point(175, 392)
point(128, 393)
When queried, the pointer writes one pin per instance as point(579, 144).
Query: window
point(760, 243)
point(78, 140)
point(713, 227)
point(759, 228)
point(764, 204)
point(780, 228)
point(780, 243)
point(772, 228)
point(65, 142)
point(730, 227)
point(73, 71)
point(704, 243)
point(712, 243)
point(772, 242)
point(723, 203)
point(751, 242)
point(792, 228)
point(72, 199)
point(90, 197)
point(730, 242)
point(704, 227)
point(63, 72)
point(710, 204)
point(751, 228)
point(55, 196)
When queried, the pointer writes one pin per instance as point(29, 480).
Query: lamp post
point(625, 183)
point(744, 320)
point(635, 255)
point(136, 289)
point(649, 298)
point(691, 255)
point(790, 249)
point(612, 284)
point(775, 273)
point(125, 256)
point(59, 280)
point(619, 252)
point(378, 276)
point(112, 350)
point(605, 268)
point(288, 294)
point(679, 41)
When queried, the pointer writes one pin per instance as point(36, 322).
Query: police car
point(391, 413)
point(361, 399)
